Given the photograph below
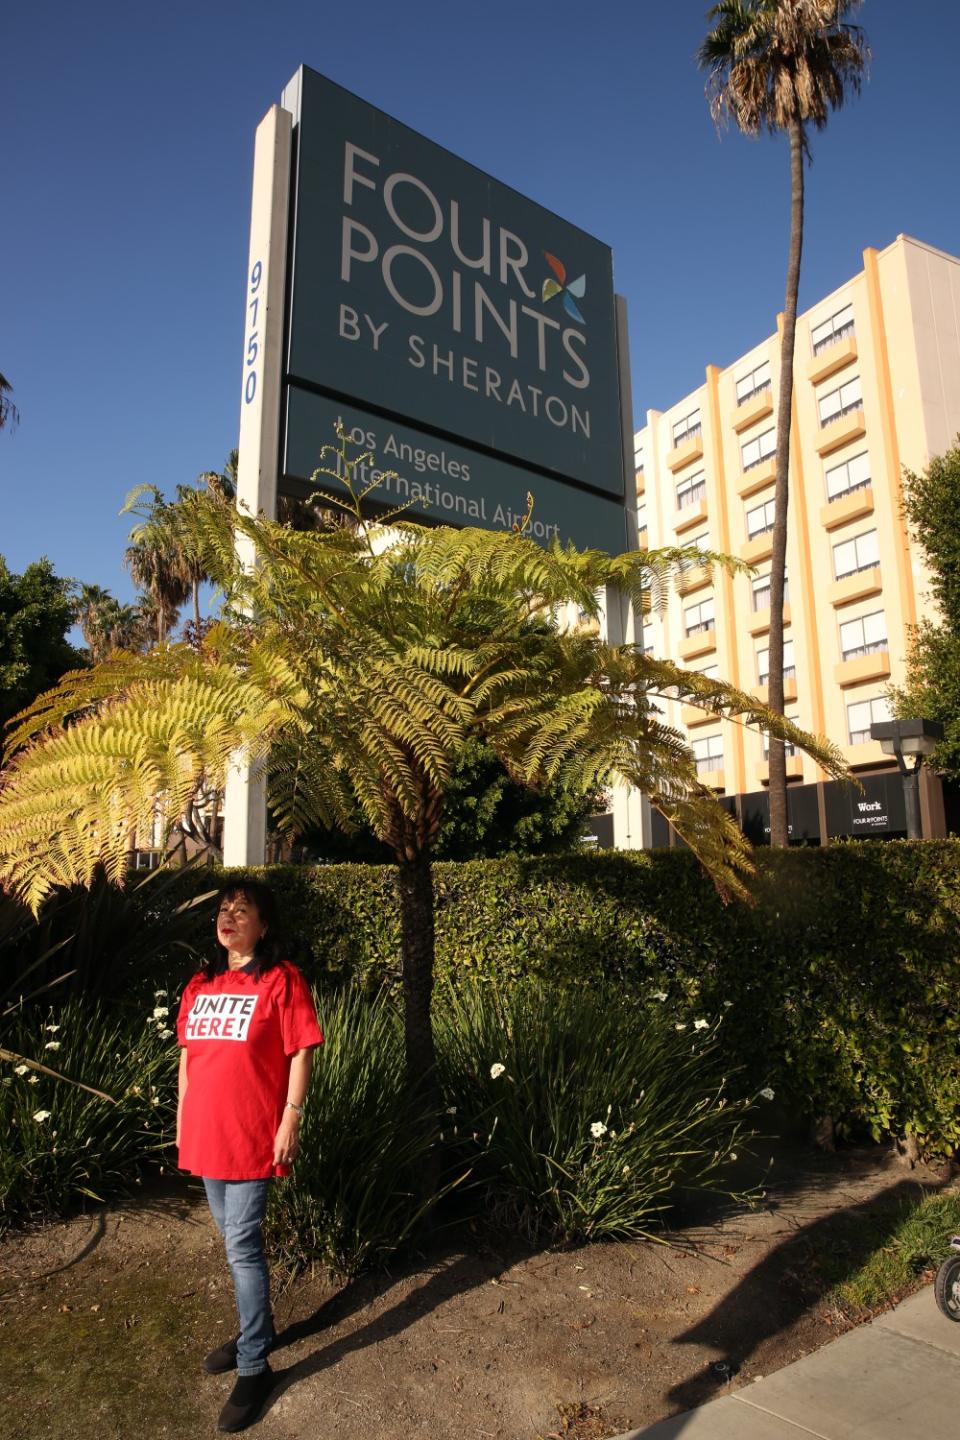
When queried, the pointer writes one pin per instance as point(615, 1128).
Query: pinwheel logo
point(559, 286)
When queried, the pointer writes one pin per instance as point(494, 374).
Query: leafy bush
point(841, 979)
point(102, 941)
point(60, 1144)
point(654, 1095)
point(584, 1113)
point(843, 976)
point(356, 1194)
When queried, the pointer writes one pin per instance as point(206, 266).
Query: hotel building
point(876, 389)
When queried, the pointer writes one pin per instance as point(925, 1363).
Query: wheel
point(946, 1287)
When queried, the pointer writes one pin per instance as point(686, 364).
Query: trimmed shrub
point(842, 977)
point(838, 989)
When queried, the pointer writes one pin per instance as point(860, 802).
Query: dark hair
point(268, 950)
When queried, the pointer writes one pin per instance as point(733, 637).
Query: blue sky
point(124, 206)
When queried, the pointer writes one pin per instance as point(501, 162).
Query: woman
point(247, 1027)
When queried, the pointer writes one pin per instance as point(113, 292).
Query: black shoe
point(247, 1399)
point(223, 1358)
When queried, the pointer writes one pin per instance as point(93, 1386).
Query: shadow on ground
point(787, 1283)
point(454, 1273)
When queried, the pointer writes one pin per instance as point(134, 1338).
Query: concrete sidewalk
point(897, 1378)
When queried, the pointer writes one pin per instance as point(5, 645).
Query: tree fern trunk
point(417, 945)
point(778, 763)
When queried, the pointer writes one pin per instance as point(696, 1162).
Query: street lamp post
point(911, 739)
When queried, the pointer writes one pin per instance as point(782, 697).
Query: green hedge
point(839, 986)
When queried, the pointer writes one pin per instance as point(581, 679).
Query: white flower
point(33, 1080)
point(52, 1045)
point(679, 1027)
point(597, 1129)
point(733, 1154)
point(51, 1029)
point(134, 1089)
point(165, 1034)
point(159, 994)
point(727, 1004)
point(41, 1115)
point(452, 1110)
point(659, 995)
point(701, 1024)
point(626, 1169)
point(497, 1070)
point(22, 1070)
point(766, 1093)
point(160, 1012)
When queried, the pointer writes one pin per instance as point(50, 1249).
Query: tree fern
point(355, 662)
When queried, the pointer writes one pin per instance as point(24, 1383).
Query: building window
point(851, 475)
point(753, 382)
point(760, 586)
point(642, 520)
point(828, 332)
point(708, 754)
point(686, 428)
point(638, 457)
point(840, 401)
point(864, 713)
point(701, 545)
point(690, 490)
point(646, 638)
point(864, 635)
point(852, 556)
point(760, 519)
point(697, 619)
point(710, 672)
point(754, 452)
point(788, 746)
point(763, 663)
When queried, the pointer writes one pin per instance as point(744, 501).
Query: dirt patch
point(104, 1320)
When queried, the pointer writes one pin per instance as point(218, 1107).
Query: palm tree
point(9, 414)
point(377, 654)
point(156, 558)
point(122, 627)
point(782, 65)
point(88, 610)
point(223, 482)
point(105, 624)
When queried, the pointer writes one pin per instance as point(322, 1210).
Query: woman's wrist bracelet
point(292, 1106)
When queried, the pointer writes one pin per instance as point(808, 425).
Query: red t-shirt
point(239, 1033)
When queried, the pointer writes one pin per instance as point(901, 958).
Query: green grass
point(900, 1244)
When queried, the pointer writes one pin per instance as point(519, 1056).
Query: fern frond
point(354, 663)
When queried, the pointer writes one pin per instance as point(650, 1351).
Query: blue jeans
point(238, 1208)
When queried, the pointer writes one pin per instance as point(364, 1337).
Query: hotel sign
point(876, 809)
point(442, 313)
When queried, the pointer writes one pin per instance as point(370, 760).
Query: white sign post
point(245, 800)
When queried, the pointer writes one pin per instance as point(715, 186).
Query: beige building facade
point(876, 389)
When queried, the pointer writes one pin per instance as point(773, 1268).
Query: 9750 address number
point(253, 347)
